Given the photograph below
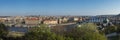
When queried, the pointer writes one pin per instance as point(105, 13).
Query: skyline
point(58, 7)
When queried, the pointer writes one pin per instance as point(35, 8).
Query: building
point(64, 19)
point(76, 19)
point(3, 20)
point(80, 19)
point(97, 19)
point(31, 20)
point(73, 19)
point(50, 22)
point(59, 21)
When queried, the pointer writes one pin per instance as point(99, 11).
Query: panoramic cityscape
point(59, 20)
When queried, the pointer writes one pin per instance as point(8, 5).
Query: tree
point(3, 30)
point(86, 32)
point(110, 29)
point(42, 33)
point(93, 36)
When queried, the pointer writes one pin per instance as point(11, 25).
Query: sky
point(59, 7)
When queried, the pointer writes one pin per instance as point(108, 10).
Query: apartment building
point(50, 22)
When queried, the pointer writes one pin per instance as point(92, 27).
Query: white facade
point(50, 22)
point(76, 19)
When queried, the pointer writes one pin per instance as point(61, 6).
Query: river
point(18, 29)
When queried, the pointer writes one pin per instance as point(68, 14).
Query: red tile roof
point(33, 18)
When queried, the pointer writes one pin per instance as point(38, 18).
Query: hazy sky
point(59, 7)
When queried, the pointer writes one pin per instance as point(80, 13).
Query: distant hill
point(106, 15)
point(118, 15)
